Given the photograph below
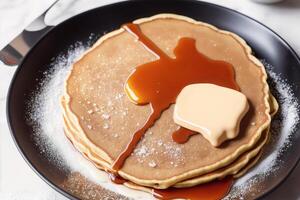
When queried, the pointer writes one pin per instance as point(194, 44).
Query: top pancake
point(107, 119)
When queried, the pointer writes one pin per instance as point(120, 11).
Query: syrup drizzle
point(158, 83)
point(182, 135)
point(209, 191)
point(115, 178)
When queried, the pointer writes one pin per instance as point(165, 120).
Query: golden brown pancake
point(231, 169)
point(106, 119)
point(237, 168)
point(250, 164)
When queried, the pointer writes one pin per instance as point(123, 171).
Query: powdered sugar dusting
point(44, 107)
point(152, 164)
point(282, 128)
point(171, 151)
point(142, 152)
point(45, 115)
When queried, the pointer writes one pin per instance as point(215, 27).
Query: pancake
point(251, 163)
point(231, 169)
point(244, 162)
point(273, 105)
point(106, 119)
point(240, 166)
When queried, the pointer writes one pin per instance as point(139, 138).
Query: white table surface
point(17, 180)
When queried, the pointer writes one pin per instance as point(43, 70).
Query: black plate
point(265, 43)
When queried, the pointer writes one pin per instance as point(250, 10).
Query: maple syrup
point(214, 190)
point(182, 135)
point(159, 82)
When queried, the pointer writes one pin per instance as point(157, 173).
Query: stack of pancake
point(100, 119)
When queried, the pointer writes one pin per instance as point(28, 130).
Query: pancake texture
point(100, 119)
point(237, 168)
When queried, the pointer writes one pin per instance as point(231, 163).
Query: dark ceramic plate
point(265, 43)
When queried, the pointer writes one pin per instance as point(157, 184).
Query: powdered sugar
point(152, 164)
point(282, 129)
point(143, 151)
point(45, 116)
point(172, 151)
point(44, 109)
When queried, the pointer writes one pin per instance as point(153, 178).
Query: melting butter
point(211, 110)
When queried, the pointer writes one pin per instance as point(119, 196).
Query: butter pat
point(211, 110)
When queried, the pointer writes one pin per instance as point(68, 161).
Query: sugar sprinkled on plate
point(45, 116)
point(282, 129)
